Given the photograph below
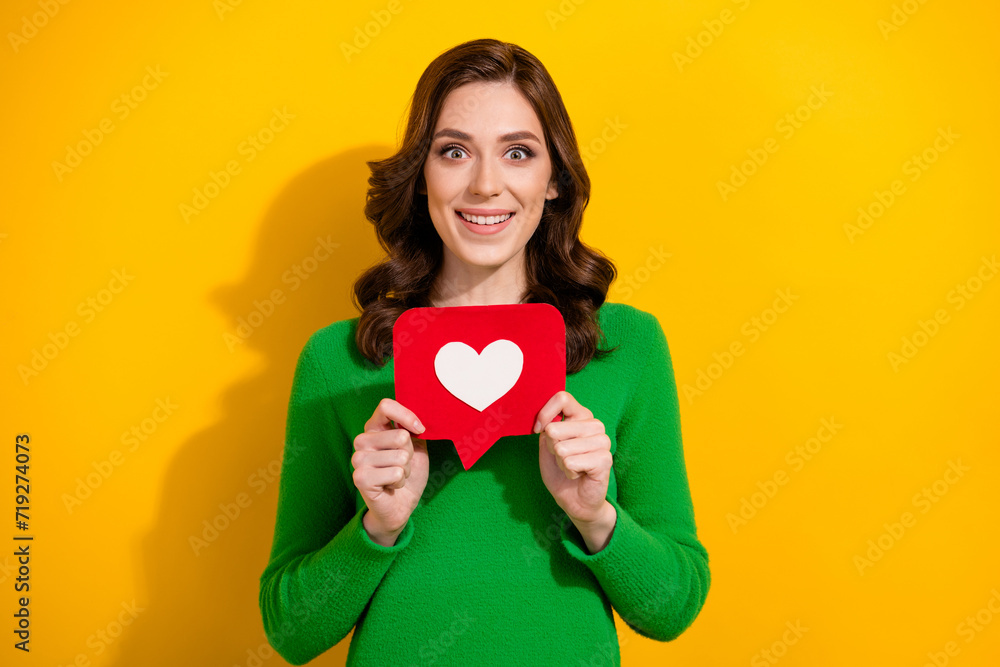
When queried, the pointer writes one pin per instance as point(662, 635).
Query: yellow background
point(680, 129)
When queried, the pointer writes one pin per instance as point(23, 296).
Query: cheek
point(443, 182)
point(432, 181)
point(531, 185)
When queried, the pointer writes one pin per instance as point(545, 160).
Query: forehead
point(486, 110)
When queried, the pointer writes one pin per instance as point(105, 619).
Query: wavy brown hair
point(561, 269)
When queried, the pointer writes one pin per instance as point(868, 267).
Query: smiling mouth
point(485, 220)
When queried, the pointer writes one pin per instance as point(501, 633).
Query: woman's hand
point(390, 469)
point(575, 459)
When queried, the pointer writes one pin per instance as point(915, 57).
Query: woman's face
point(487, 157)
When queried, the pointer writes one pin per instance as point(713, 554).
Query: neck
point(459, 284)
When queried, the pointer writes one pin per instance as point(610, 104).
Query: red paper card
point(473, 374)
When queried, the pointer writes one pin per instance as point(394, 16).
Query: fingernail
point(537, 427)
point(418, 425)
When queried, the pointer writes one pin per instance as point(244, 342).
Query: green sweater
point(488, 570)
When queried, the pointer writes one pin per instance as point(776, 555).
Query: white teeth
point(485, 220)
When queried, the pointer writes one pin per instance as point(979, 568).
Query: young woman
point(521, 558)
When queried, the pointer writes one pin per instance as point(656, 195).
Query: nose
point(486, 180)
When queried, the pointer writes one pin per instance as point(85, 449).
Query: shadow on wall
point(202, 608)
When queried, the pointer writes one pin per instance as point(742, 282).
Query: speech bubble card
point(474, 374)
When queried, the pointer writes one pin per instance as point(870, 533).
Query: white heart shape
point(479, 379)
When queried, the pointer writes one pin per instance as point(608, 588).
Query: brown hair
point(561, 269)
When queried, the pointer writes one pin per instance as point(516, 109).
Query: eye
point(523, 150)
point(450, 148)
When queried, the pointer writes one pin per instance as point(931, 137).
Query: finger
point(577, 446)
point(382, 458)
point(399, 484)
point(398, 438)
point(562, 402)
point(593, 463)
point(543, 443)
point(565, 430)
point(552, 407)
point(390, 414)
point(559, 460)
point(377, 478)
point(550, 442)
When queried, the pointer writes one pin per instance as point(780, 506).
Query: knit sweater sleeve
point(323, 567)
point(654, 570)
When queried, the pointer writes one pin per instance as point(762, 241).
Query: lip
point(485, 230)
point(485, 211)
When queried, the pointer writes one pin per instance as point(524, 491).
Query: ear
point(552, 191)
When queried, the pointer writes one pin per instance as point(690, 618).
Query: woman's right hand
point(390, 469)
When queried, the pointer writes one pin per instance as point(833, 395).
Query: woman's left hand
point(574, 456)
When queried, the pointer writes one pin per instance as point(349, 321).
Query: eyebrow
point(510, 136)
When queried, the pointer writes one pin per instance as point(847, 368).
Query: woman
point(520, 559)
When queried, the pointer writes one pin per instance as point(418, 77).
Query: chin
point(487, 260)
